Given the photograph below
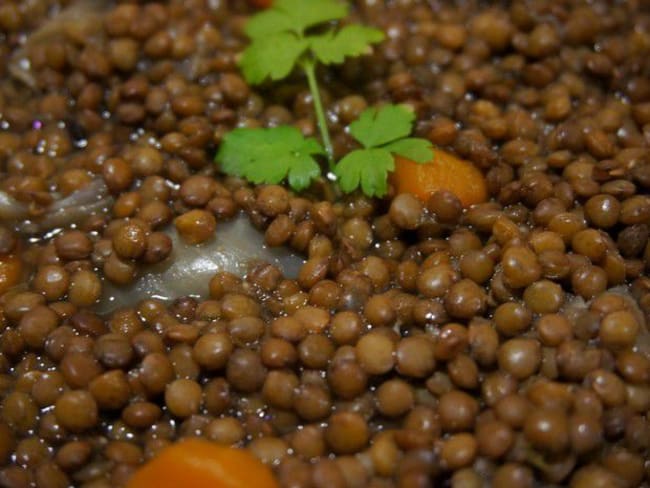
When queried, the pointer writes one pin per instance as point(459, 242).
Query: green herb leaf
point(351, 40)
point(308, 13)
point(270, 156)
point(365, 168)
point(302, 172)
point(268, 22)
point(413, 148)
point(273, 57)
point(378, 126)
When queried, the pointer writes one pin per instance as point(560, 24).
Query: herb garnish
point(280, 41)
point(282, 38)
point(271, 155)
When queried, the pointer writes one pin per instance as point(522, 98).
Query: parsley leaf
point(270, 156)
point(413, 148)
point(351, 40)
point(279, 40)
point(294, 16)
point(272, 58)
point(367, 168)
point(308, 13)
point(383, 133)
point(268, 22)
point(303, 171)
point(377, 126)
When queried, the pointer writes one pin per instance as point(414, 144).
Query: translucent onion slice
point(236, 247)
point(73, 209)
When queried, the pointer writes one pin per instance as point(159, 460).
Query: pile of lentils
point(421, 344)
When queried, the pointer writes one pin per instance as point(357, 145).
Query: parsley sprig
point(282, 38)
point(271, 155)
point(279, 153)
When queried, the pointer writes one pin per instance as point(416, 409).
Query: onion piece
point(11, 209)
point(73, 209)
point(236, 247)
point(77, 206)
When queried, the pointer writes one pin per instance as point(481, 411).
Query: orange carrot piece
point(444, 172)
point(199, 463)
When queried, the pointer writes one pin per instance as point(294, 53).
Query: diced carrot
point(199, 463)
point(444, 172)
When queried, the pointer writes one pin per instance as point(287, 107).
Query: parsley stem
point(310, 71)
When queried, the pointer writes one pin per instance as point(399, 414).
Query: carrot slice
point(198, 463)
point(444, 172)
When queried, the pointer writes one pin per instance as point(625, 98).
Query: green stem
point(310, 71)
